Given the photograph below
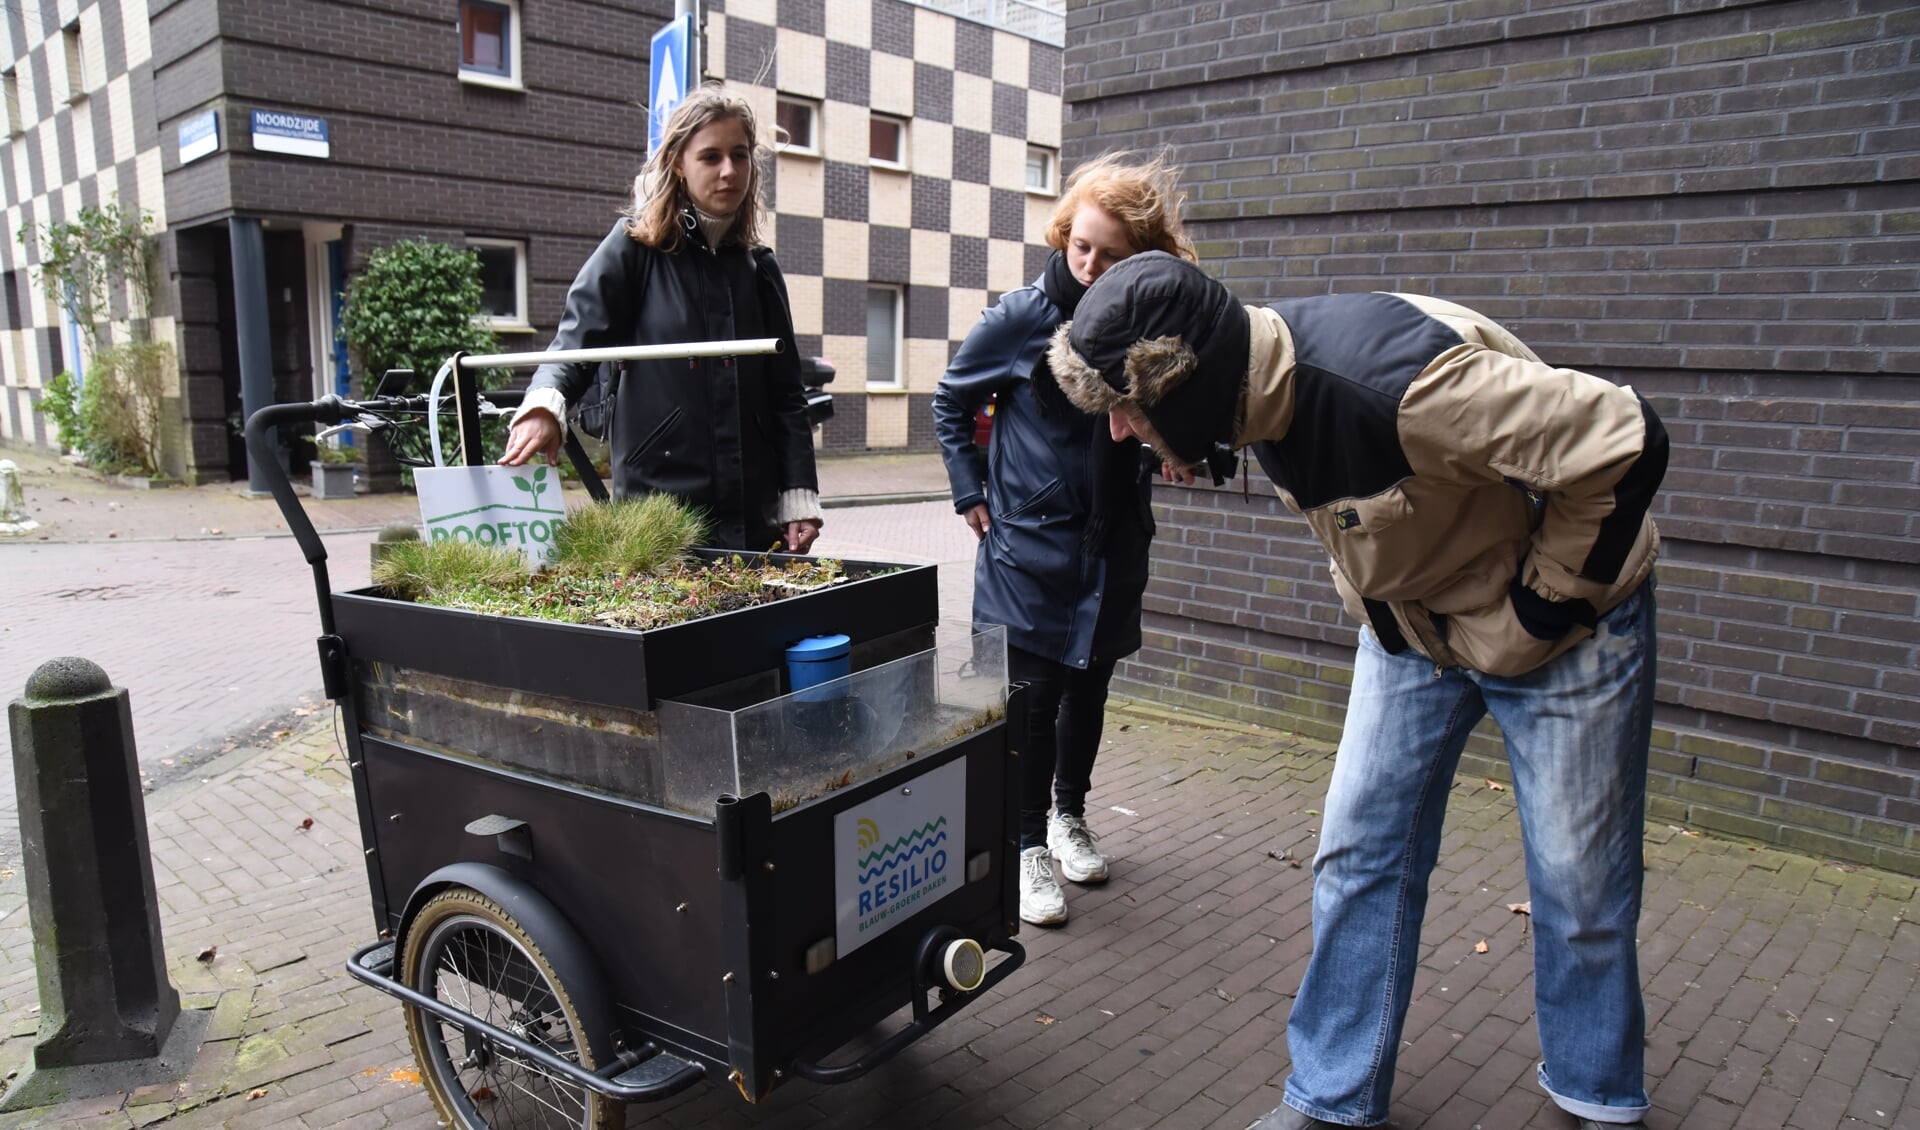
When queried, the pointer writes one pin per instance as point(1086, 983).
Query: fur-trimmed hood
point(1157, 332)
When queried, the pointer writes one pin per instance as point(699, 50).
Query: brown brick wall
point(1716, 207)
point(415, 152)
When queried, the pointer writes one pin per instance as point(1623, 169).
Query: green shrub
point(99, 265)
point(120, 405)
point(413, 306)
point(60, 400)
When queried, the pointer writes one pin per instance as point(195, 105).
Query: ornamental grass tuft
point(626, 536)
point(421, 570)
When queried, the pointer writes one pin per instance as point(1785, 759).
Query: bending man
point(1486, 517)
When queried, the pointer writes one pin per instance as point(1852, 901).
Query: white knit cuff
point(547, 398)
point(798, 505)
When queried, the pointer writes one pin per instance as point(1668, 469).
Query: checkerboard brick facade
point(418, 153)
point(79, 143)
point(953, 230)
point(1714, 204)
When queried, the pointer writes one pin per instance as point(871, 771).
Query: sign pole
point(695, 61)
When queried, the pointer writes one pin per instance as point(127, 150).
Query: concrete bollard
point(393, 534)
point(107, 1009)
point(14, 518)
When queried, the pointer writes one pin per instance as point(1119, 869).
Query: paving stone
point(1194, 948)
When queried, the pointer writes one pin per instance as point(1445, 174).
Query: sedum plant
point(622, 564)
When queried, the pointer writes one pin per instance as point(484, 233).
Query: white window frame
point(812, 107)
point(514, 78)
point(1052, 158)
point(519, 249)
point(901, 123)
point(898, 378)
point(76, 52)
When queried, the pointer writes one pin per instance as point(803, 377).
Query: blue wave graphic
point(923, 846)
point(924, 830)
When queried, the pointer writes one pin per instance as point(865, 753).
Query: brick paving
point(1780, 989)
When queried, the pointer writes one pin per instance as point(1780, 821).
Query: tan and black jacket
point(1479, 505)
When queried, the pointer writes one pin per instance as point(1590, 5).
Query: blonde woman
point(729, 434)
point(1061, 511)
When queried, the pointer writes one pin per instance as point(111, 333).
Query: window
point(503, 281)
point(799, 122)
point(490, 42)
point(12, 81)
point(76, 62)
point(1040, 164)
point(883, 335)
point(887, 141)
point(10, 282)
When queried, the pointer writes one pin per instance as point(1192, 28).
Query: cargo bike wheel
point(462, 949)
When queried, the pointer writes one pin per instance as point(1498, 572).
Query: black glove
point(1222, 463)
point(1548, 619)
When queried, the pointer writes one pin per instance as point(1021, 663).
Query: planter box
point(332, 481)
point(647, 716)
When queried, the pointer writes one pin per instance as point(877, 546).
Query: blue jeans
point(1577, 731)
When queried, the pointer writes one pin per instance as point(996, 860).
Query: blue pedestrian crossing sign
point(672, 75)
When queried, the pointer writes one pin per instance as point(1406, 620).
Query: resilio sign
point(298, 134)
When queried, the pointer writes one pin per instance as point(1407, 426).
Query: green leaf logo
point(525, 485)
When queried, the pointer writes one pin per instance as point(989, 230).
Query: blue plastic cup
point(821, 659)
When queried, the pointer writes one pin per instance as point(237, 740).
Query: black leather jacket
point(725, 434)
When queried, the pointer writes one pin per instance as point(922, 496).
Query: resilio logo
point(898, 853)
point(896, 875)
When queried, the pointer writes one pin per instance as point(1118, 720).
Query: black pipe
point(264, 457)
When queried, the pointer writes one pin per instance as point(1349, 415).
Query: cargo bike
point(607, 864)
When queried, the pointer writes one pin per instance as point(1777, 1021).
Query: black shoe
point(1284, 1117)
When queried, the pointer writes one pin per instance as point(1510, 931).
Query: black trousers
point(1065, 709)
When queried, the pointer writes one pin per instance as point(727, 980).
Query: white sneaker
point(1041, 901)
point(1071, 842)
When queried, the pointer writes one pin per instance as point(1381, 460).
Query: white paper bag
point(505, 507)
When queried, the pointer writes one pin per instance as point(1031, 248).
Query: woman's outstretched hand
point(536, 433)
point(800, 534)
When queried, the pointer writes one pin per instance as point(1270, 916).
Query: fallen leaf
point(281, 733)
point(1481, 946)
point(113, 533)
point(482, 1094)
point(307, 824)
point(1521, 907)
point(1225, 995)
point(1294, 863)
point(1043, 1018)
point(1124, 729)
point(260, 1093)
point(1496, 786)
point(1688, 832)
point(207, 955)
